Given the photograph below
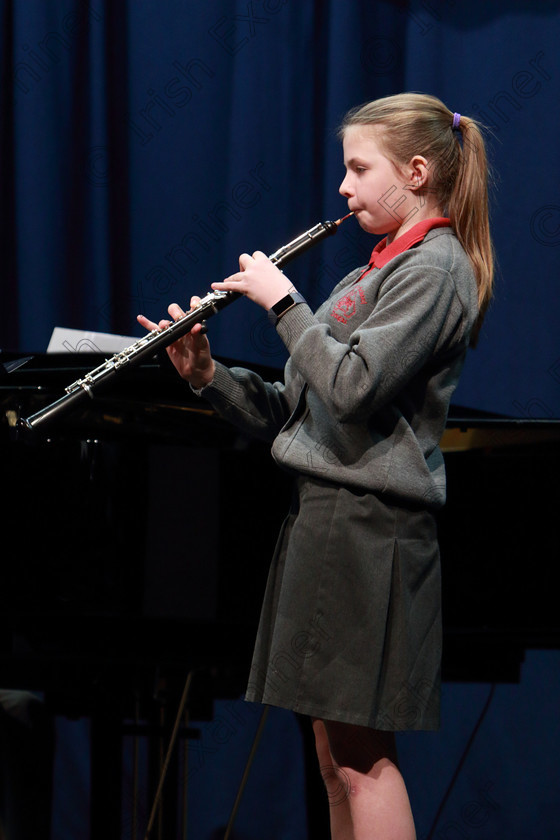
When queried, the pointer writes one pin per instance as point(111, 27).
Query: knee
point(335, 779)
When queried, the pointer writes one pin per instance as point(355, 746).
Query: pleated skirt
point(350, 628)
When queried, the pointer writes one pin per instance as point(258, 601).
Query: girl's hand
point(191, 353)
point(258, 279)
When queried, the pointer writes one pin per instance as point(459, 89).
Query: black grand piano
point(136, 537)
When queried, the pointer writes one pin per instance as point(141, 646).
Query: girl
point(350, 631)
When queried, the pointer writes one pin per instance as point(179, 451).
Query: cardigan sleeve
point(416, 313)
point(242, 397)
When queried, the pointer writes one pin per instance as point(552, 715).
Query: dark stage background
point(144, 145)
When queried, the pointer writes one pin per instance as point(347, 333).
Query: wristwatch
point(280, 308)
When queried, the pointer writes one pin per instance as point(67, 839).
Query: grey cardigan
point(370, 376)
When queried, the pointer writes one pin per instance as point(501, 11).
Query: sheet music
point(77, 341)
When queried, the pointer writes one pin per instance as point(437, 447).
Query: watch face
point(283, 304)
point(275, 312)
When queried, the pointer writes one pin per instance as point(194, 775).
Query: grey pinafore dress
point(350, 628)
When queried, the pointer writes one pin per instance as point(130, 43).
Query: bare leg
point(367, 794)
point(337, 784)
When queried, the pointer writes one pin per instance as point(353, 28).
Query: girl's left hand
point(258, 279)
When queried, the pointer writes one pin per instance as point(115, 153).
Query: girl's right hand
point(190, 354)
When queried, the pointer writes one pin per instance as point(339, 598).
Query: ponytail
point(468, 213)
point(414, 123)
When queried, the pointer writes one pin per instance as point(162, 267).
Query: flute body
point(158, 339)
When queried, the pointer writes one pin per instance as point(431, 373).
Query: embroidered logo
point(345, 308)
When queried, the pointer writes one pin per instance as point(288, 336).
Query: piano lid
point(37, 379)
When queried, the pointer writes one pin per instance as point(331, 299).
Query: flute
point(160, 338)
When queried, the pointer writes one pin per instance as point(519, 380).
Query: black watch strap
point(276, 311)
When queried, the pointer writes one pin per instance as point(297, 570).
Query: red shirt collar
point(382, 252)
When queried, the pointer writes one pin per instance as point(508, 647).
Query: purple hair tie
point(456, 120)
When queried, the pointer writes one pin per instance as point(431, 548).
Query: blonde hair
point(418, 124)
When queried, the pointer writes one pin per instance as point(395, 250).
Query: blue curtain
point(144, 146)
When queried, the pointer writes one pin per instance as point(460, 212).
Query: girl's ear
point(417, 173)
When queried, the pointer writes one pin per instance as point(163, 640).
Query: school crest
point(346, 307)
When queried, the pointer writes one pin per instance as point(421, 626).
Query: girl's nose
point(344, 188)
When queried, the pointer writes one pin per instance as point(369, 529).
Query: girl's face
point(376, 190)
